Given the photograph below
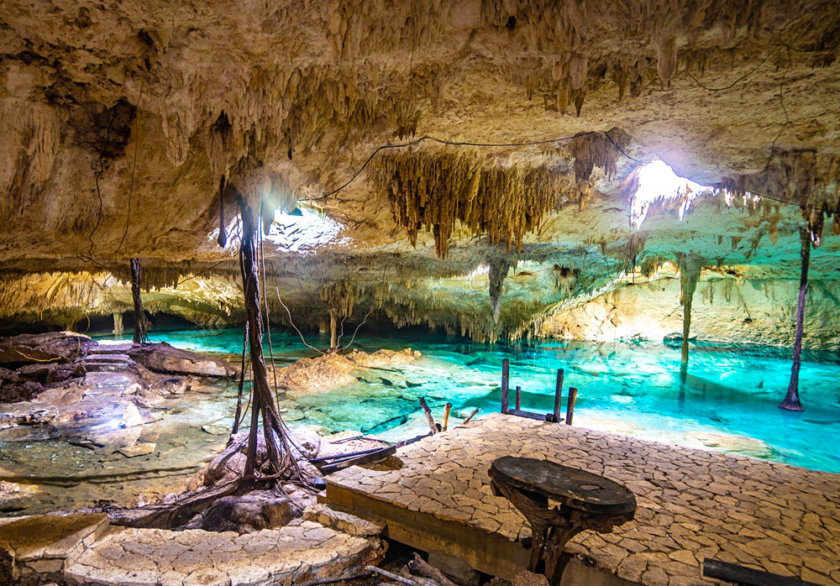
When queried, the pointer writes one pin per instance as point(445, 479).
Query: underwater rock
point(139, 449)
point(383, 357)
point(13, 495)
point(334, 370)
point(47, 347)
point(163, 358)
point(216, 429)
point(747, 446)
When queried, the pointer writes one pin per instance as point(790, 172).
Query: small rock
point(140, 449)
point(526, 578)
point(216, 429)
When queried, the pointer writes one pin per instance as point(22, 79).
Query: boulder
point(251, 512)
point(20, 391)
point(48, 347)
point(163, 358)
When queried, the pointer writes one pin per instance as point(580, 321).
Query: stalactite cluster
point(436, 187)
point(798, 176)
point(564, 33)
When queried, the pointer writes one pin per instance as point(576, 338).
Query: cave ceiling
point(120, 120)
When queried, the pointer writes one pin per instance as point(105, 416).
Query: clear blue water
point(623, 387)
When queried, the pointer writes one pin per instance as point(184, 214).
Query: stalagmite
point(140, 321)
point(791, 401)
point(690, 266)
point(118, 324)
point(339, 298)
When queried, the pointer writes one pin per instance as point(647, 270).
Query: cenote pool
point(626, 387)
point(729, 402)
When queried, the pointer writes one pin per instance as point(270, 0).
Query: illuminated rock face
point(120, 122)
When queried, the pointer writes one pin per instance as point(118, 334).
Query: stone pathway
point(83, 549)
point(692, 504)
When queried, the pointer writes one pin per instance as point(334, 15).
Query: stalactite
point(499, 268)
point(690, 266)
point(340, 298)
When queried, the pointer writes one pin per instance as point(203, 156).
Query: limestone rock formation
point(377, 138)
point(163, 358)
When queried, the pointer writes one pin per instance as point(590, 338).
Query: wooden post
point(518, 398)
point(471, 415)
point(570, 406)
point(791, 401)
point(505, 383)
point(428, 413)
point(558, 396)
point(446, 409)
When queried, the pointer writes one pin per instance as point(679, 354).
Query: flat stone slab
point(692, 504)
point(299, 552)
point(40, 544)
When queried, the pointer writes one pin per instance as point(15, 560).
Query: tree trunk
point(140, 323)
point(262, 402)
point(791, 401)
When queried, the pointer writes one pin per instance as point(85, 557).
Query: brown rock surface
point(163, 358)
point(121, 120)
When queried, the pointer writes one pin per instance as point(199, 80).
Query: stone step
point(300, 552)
point(110, 348)
point(36, 549)
point(107, 366)
point(109, 358)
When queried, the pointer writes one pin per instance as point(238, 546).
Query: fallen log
point(419, 566)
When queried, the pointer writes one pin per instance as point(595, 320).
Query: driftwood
point(428, 413)
point(171, 515)
point(747, 576)
point(391, 576)
point(471, 415)
point(420, 566)
point(330, 464)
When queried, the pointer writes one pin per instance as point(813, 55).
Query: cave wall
point(726, 310)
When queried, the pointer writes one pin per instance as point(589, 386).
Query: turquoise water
point(624, 387)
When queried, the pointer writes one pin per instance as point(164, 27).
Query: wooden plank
point(747, 576)
point(365, 459)
point(530, 414)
